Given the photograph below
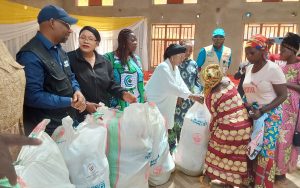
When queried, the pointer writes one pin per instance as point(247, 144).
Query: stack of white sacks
point(114, 149)
point(110, 149)
point(44, 165)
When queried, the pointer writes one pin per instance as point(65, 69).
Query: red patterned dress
point(226, 159)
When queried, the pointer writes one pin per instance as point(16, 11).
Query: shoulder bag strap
point(296, 126)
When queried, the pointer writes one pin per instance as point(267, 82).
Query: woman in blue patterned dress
point(265, 87)
point(189, 73)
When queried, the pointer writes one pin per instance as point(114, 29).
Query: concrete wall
point(39, 3)
point(230, 17)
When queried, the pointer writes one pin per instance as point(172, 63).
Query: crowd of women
point(116, 79)
point(270, 91)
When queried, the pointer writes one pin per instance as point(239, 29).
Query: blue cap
point(51, 11)
point(218, 31)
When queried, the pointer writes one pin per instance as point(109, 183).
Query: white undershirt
point(258, 86)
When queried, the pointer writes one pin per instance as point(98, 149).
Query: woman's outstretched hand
point(128, 97)
point(197, 98)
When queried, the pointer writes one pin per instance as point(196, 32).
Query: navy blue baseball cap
point(55, 12)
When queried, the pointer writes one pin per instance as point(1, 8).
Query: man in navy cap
point(216, 53)
point(51, 88)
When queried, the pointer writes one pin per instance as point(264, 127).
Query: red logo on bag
point(151, 104)
point(197, 138)
point(157, 170)
point(21, 182)
point(39, 128)
point(61, 133)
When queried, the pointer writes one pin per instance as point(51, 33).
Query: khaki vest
point(212, 58)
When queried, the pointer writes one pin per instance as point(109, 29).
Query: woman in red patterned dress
point(226, 159)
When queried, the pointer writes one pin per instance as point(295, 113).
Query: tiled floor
point(180, 180)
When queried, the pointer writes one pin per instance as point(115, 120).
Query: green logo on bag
point(101, 185)
point(148, 155)
point(154, 161)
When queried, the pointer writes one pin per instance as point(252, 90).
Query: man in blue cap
point(51, 88)
point(216, 53)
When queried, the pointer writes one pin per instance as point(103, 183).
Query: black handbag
point(296, 138)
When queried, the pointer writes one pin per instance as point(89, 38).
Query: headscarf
point(92, 30)
point(211, 76)
point(291, 41)
point(174, 49)
point(259, 42)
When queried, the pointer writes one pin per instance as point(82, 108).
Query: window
point(163, 2)
point(270, 0)
point(268, 30)
point(165, 34)
point(82, 3)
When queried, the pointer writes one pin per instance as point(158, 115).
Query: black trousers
point(33, 116)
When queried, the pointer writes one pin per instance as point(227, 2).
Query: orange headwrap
point(258, 41)
point(211, 76)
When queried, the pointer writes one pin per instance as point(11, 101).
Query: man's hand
point(78, 101)
point(128, 97)
point(6, 167)
point(92, 107)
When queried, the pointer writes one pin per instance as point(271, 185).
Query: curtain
point(18, 25)
point(15, 36)
point(12, 13)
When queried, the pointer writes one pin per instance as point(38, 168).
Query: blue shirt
point(202, 56)
point(35, 95)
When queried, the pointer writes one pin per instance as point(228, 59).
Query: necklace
point(257, 68)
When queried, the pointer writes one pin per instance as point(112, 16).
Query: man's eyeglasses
point(87, 39)
point(68, 26)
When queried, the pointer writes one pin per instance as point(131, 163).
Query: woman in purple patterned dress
point(286, 153)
